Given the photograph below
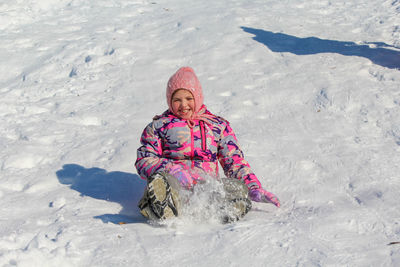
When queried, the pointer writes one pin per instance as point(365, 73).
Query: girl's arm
point(232, 159)
point(234, 165)
point(149, 155)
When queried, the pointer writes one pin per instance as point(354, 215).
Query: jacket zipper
point(204, 143)
point(192, 147)
point(203, 136)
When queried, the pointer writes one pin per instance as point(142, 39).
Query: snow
point(311, 89)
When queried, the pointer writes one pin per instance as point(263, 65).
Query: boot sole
point(160, 198)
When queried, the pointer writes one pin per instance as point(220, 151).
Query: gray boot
point(160, 200)
point(237, 203)
point(227, 199)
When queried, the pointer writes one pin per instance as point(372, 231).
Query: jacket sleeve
point(149, 154)
point(232, 159)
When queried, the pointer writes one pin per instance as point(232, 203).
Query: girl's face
point(182, 104)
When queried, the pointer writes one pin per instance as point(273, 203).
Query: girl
point(183, 146)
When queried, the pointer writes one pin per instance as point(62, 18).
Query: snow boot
point(160, 200)
point(237, 203)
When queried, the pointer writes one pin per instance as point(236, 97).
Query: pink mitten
point(261, 195)
point(184, 177)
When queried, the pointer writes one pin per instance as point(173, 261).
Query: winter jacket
point(169, 140)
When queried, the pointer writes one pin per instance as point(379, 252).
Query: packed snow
point(311, 88)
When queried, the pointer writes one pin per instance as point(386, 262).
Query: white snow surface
point(311, 88)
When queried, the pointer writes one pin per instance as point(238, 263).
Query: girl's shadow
point(123, 188)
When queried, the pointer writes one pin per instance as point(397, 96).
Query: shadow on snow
point(380, 54)
point(123, 188)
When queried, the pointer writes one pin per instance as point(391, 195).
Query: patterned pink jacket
point(169, 140)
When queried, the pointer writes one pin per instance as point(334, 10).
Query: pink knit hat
point(185, 78)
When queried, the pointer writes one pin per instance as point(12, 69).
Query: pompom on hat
point(185, 78)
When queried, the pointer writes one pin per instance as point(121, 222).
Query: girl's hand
point(184, 177)
point(261, 195)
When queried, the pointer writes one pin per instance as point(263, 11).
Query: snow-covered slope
point(311, 88)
